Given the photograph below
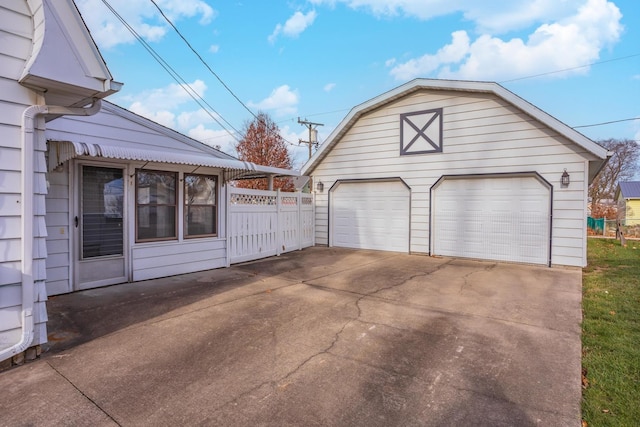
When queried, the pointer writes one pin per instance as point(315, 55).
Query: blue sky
point(317, 59)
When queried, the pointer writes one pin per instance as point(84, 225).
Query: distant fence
point(629, 227)
point(267, 223)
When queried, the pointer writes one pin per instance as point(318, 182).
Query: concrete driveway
point(322, 336)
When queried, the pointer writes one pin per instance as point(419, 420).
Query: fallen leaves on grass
point(585, 380)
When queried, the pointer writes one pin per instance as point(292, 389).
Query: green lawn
point(611, 334)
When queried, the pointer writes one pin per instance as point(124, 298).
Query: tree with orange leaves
point(262, 144)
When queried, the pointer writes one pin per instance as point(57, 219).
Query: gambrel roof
point(601, 154)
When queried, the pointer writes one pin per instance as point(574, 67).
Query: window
point(156, 207)
point(199, 205)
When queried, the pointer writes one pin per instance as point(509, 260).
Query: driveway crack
point(83, 394)
point(465, 278)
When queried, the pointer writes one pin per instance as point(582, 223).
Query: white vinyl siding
point(16, 26)
point(370, 215)
point(151, 261)
point(482, 134)
point(58, 232)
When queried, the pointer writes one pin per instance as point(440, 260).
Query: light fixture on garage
point(320, 186)
point(564, 180)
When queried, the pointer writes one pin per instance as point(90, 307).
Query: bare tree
point(622, 166)
point(262, 144)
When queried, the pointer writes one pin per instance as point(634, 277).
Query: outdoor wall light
point(564, 180)
point(320, 186)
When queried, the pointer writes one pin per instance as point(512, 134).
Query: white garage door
point(370, 215)
point(503, 219)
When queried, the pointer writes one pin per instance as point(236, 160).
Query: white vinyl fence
point(266, 223)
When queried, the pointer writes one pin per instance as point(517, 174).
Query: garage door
point(370, 215)
point(503, 219)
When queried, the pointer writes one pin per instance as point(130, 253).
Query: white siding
point(147, 259)
point(482, 134)
point(151, 261)
point(15, 31)
point(58, 239)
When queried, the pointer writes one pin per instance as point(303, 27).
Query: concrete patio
point(323, 336)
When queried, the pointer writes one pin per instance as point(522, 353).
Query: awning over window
point(62, 151)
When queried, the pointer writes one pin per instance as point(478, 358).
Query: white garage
point(490, 176)
point(502, 218)
point(370, 215)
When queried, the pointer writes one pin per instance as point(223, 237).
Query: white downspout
point(27, 161)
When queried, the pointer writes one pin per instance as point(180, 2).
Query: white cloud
point(219, 139)
point(164, 117)
point(188, 119)
point(168, 97)
point(491, 16)
point(294, 26)
point(299, 153)
point(571, 42)
point(282, 100)
point(158, 105)
point(329, 87)
point(214, 48)
point(108, 31)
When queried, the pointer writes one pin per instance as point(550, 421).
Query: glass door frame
point(81, 265)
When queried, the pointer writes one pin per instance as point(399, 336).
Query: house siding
point(16, 29)
point(632, 212)
point(58, 232)
point(482, 134)
point(147, 260)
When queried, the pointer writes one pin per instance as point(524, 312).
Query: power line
point(174, 74)
point(201, 59)
point(608, 123)
point(571, 69)
point(195, 52)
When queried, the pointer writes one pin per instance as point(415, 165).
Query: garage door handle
point(75, 221)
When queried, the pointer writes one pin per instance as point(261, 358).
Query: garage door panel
point(371, 215)
point(505, 219)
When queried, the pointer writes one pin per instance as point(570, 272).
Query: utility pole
point(313, 133)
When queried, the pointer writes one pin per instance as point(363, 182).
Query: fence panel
point(307, 221)
point(629, 227)
point(266, 223)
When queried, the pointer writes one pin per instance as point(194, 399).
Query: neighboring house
point(455, 168)
point(628, 197)
point(91, 194)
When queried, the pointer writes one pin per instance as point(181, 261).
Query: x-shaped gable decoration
point(421, 132)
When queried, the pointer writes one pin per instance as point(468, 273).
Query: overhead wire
point(201, 59)
point(570, 69)
point(608, 123)
point(196, 96)
point(175, 75)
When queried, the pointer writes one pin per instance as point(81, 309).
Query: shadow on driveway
point(322, 336)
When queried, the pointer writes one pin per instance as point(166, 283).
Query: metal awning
point(62, 151)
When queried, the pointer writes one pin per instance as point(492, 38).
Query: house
point(129, 200)
point(455, 168)
point(628, 197)
point(91, 194)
